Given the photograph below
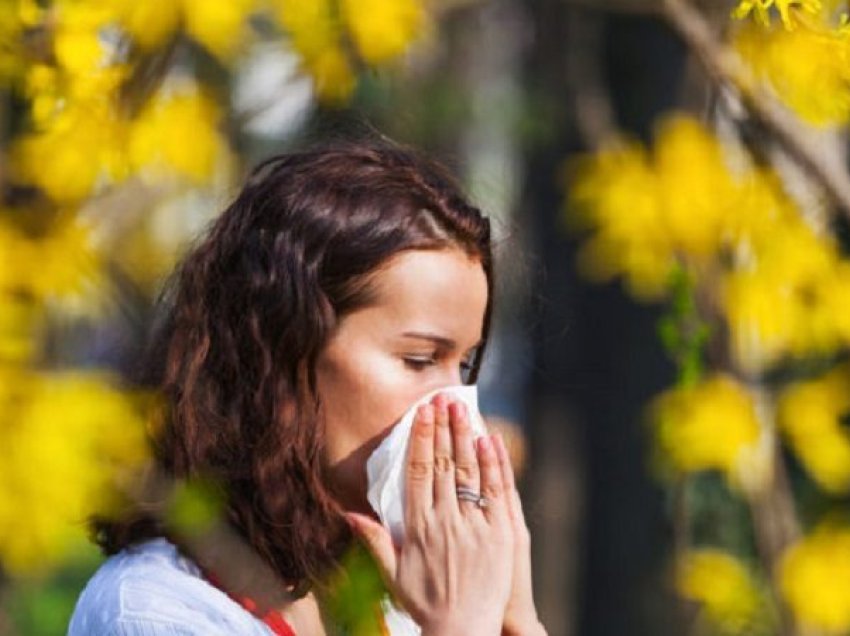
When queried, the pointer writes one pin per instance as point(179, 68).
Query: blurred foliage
point(43, 606)
point(355, 594)
point(682, 331)
point(755, 277)
point(194, 507)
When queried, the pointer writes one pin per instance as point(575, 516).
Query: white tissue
point(385, 466)
point(386, 474)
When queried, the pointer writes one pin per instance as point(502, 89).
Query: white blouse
point(150, 589)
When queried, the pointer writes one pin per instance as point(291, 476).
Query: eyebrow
point(448, 343)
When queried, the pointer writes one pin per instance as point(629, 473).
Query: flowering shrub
point(757, 284)
point(122, 127)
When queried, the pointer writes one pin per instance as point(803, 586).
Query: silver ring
point(468, 494)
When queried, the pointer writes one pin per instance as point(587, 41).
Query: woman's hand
point(453, 571)
point(520, 614)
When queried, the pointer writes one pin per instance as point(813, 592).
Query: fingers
point(444, 461)
point(491, 479)
point(443, 457)
point(419, 484)
point(512, 501)
point(377, 540)
point(467, 474)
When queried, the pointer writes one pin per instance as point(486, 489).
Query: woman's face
point(423, 327)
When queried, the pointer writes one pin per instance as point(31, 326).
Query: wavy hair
point(250, 308)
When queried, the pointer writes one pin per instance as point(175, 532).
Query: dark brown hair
point(247, 314)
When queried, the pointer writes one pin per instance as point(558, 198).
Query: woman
point(341, 285)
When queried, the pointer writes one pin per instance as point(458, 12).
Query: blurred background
point(670, 198)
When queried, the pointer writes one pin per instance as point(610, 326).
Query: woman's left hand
point(520, 614)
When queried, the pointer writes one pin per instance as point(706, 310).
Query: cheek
point(363, 396)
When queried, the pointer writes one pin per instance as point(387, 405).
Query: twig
point(773, 512)
point(148, 74)
point(727, 69)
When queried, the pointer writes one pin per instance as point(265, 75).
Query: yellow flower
point(319, 31)
point(76, 41)
point(78, 50)
point(42, 88)
point(723, 587)
point(61, 262)
point(698, 196)
point(814, 578)
point(615, 193)
point(217, 26)
point(762, 205)
point(783, 287)
point(14, 257)
point(316, 33)
point(20, 324)
point(760, 8)
point(150, 24)
point(69, 440)
point(712, 426)
point(762, 318)
point(680, 204)
point(835, 297)
point(12, 60)
point(810, 418)
point(178, 133)
point(382, 29)
point(333, 78)
point(67, 268)
point(52, 160)
point(28, 11)
point(61, 267)
point(780, 300)
point(79, 141)
point(808, 68)
point(311, 25)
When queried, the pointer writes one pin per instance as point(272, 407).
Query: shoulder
point(152, 589)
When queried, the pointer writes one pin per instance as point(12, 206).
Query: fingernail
point(500, 441)
point(484, 444)
point(458, 409)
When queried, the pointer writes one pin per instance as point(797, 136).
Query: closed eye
point(419, 364)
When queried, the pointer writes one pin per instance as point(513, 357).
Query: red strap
point(278, 624)
point(273, 619)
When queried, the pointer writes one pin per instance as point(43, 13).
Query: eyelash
point(419, 364)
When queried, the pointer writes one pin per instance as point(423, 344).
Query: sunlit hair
point(248, 312)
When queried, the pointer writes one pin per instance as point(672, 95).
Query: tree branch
point(727, 69)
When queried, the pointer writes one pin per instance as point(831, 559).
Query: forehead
point(435, 290)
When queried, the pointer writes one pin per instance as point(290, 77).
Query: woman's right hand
point(452, 572)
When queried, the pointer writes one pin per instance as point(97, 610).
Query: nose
point(451, 377)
